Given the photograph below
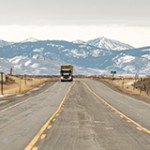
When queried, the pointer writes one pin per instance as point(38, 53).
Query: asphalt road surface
point(81, 115)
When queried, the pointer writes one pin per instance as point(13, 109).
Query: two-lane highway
point(80, 115)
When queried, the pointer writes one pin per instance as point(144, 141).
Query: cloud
point(75, 12)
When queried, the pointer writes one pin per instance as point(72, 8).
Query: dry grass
point(125, 83)
point(17, 85)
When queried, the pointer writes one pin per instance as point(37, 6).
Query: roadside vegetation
point(18, 84)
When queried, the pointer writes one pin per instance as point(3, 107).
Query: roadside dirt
point(18, 85)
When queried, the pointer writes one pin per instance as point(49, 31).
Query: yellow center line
point(34, 140)
point(139, 127)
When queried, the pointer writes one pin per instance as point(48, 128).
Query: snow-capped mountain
point(79, 42)
point(4, 43)
point(31, 66)
point(45, 57)
point(106, 43)
point(31, 39)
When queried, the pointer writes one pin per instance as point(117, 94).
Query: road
point(81, 115)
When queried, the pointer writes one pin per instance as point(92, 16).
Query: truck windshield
point(66, 71)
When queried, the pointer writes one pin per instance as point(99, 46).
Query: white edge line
point(25, 100)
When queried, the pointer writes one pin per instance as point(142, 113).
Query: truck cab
point(66, 73)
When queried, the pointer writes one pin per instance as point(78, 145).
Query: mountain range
point(97, 56)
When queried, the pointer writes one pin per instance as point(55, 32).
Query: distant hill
point(45, 57)
point(4, 43)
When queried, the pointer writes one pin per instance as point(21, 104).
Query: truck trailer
point(66, 73)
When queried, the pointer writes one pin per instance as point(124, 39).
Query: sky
point(125, 20)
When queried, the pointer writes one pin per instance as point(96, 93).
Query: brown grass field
point(17, 84)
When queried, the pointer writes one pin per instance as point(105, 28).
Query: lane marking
point(54, 120)
point(24, 100)
point(49, 126)
point(34, 140)
point(35, 148)
point(125, 95)
point(43, 136)
point(57, 115)
point(128, 121)
point(138, 128)
point(121, 114)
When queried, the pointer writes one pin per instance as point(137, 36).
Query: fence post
point(2, 83)
point(122, 83)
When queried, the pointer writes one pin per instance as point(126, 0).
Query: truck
point(66, 73)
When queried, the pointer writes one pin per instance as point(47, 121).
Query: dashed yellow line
point(49, 126)
point(43, 136)
point(139, 127)
point(35, 148)
point(34, 140)
point(54, 120)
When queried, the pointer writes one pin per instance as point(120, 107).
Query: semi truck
point(66, 73)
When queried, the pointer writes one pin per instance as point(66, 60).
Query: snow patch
point(54, 45)
point(5, 96)
point(30, 40)
point(35, 56)
point(65, 50)
point(78, 42)
point(35, 89)
point(96, 52)
point(47, 53)
point(129, 83)
point(18, 67)
point(16, 59)
point(146, 56)
point(35, 65)
point(76, 54)
point(38, 50)
point(27, 63)
point(145, 50)
point(124, 59)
